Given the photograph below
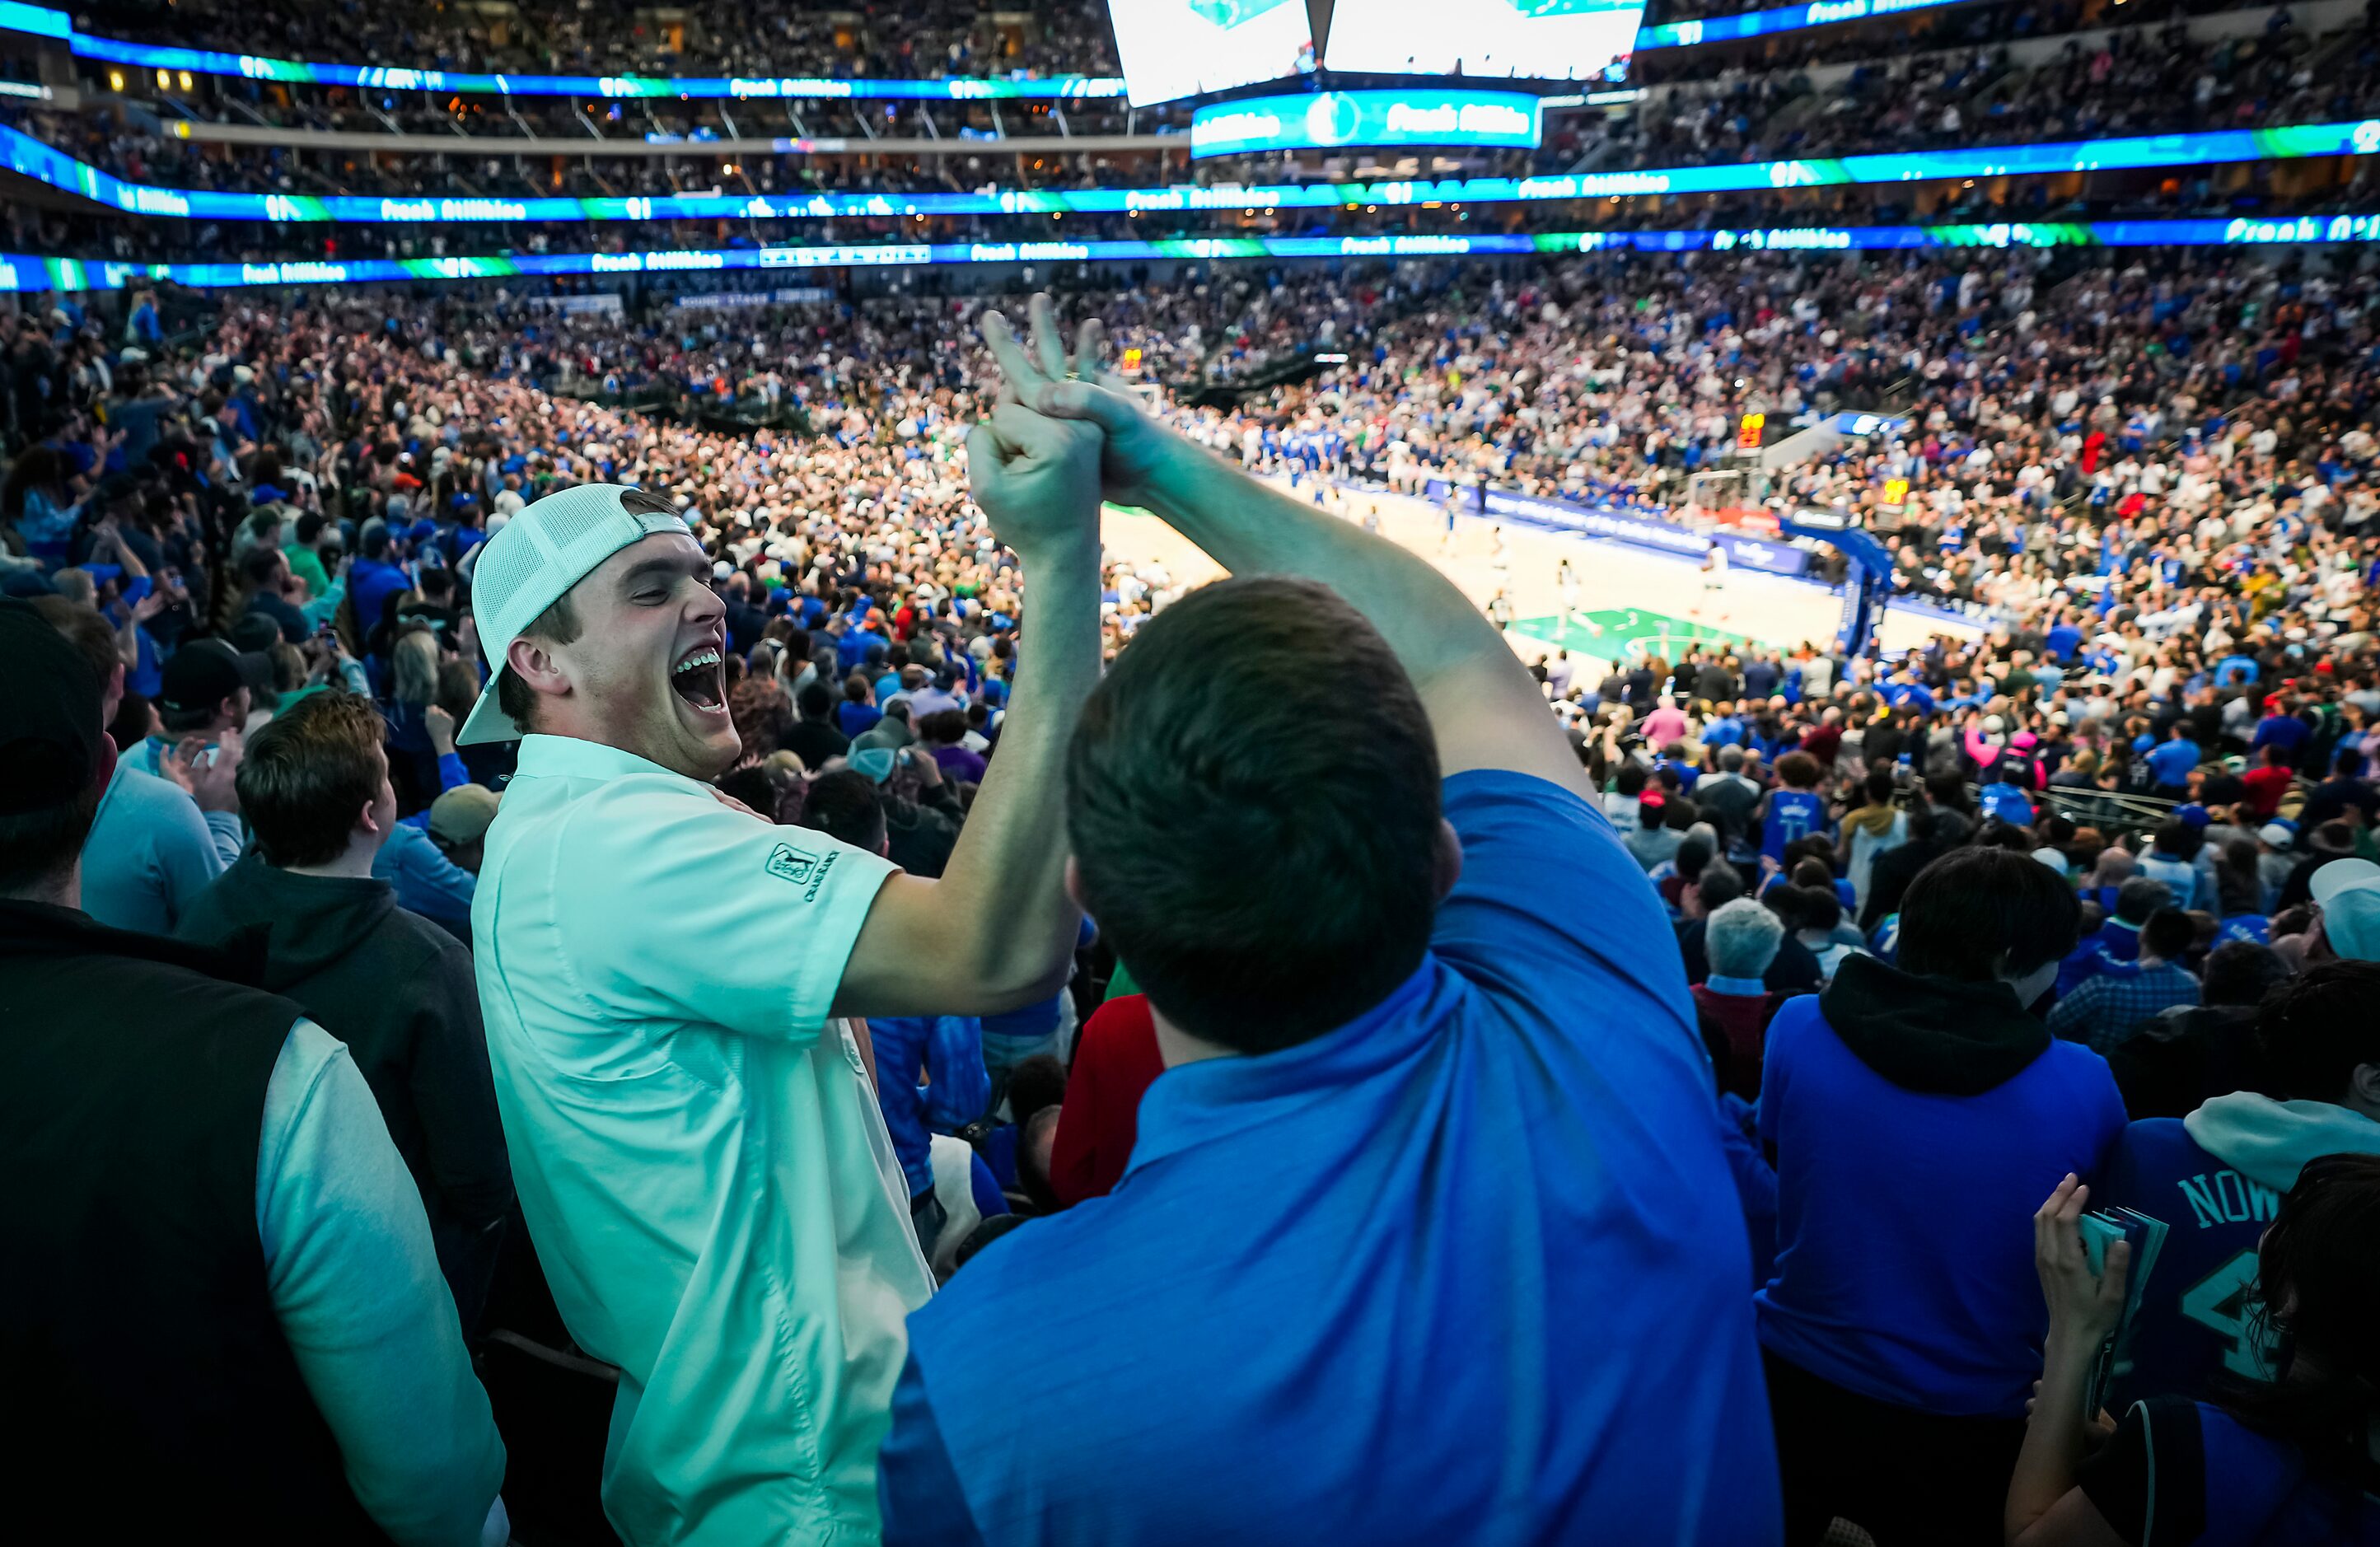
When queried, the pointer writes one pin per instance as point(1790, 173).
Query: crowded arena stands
point(1504, 855)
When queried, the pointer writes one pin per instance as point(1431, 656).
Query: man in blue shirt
point(372, 579)
point(2116, 944)
point(2173, 760)
point(1427, 1235)
point(852, 650)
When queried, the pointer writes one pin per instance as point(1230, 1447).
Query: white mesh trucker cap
point(544, 550)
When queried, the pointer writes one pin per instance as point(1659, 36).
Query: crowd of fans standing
point(2078, 905)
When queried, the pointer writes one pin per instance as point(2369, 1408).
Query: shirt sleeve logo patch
point(789, 863)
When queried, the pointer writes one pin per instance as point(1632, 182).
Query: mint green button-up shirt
point(700, 1159)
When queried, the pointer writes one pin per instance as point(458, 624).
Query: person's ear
point(2363, 1089)
point(536, 663)
point(1445, 861)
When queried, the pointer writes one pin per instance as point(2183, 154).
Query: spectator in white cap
point(669, 984)
point(2275, 857)
point(2348, 892)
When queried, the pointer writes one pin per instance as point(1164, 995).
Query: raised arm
point(998, 930)
point(1484, 709)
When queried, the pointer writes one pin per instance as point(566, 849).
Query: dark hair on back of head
point(1034, 1083)
point(1720, 883)
point(2181, 839)
point(2242, 973)
point(844, 805)
point(751, 786)
point(1252, 798)
point(2168, 935)
point(1974, 910)
point(557, 624)
point(2318, 1028)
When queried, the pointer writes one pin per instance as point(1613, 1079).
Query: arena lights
point(40, 22)
point(33, 159)
point(21, 273)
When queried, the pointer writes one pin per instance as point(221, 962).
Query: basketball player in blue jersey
point(1792, 811)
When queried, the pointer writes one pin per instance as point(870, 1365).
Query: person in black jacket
point(922, 813)
point(814, 738)
point(222, 1304)
point(1938, 832)
point(398, 990)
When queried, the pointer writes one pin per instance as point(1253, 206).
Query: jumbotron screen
point(1181, 48)
point(1556, 40)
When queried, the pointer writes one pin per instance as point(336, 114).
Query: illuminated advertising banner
point(1784, 18)
point(1531, 40)
point(21, 273)
point(24, 154)
point(1329, 120)
point(42, 21)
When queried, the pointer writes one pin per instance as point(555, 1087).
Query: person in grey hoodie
point(2217, 1178)
point(398, 990)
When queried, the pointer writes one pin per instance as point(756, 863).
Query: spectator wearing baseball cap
point(203, 705)
point(2348, 892)
point(236, 1315)
point(635, 939)
point(458, 822)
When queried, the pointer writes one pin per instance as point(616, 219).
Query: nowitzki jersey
point(2195, 1317)
point(1792, 815)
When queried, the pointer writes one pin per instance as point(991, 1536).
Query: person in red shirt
point(1115, 1062)
point(2268, 781)
point(1741, 940)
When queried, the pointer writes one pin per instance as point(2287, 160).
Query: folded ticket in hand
point(2102, 1228)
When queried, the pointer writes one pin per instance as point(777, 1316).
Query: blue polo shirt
point(1468, 1268)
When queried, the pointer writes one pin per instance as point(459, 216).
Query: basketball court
point(1629, 601)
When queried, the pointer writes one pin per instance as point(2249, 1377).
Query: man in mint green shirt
point(669, 984)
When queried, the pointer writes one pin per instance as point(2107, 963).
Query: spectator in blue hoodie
point(1919, 1116)
point(2217, 1178)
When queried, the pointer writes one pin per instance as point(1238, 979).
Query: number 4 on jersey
point(2220, 1301)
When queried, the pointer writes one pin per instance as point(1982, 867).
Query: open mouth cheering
point(698, 678)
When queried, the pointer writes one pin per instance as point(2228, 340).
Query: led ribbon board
point(1326, 120)
point(33, 159)
point(21, 273)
